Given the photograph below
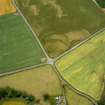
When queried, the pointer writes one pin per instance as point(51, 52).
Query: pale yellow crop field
point(6, 7)
point(84, 67)
point(37, 81)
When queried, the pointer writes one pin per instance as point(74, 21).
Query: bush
point(46, 97)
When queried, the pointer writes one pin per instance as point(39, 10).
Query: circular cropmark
point(9, 96)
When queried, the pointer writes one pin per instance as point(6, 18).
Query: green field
point(61, 24)
point(18, 47)
point(84, 67)
point(75, 99)
point(41, 82)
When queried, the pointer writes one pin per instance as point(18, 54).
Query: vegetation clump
point(101, 3)
point(46, 97)
point(101, 103)
point(51, 20)
point(50, 99)
point(12, 94)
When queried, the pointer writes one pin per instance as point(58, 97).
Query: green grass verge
point(60, 24)
point(18, 47)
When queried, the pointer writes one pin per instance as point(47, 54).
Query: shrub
point(46, 97)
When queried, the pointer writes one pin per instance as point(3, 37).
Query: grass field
point(39, 82)
point(18, 47)
point(6, 7)
point(75, 99)
point(84, 67)
point(62, 23)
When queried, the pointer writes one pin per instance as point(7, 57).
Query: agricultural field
point(84, 67)
point(18, 46)
point(42, 83)
point(61, 24)
point(75, 99)
point(6, 7)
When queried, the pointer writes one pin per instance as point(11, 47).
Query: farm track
point(96, 33)
point(58, 74)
